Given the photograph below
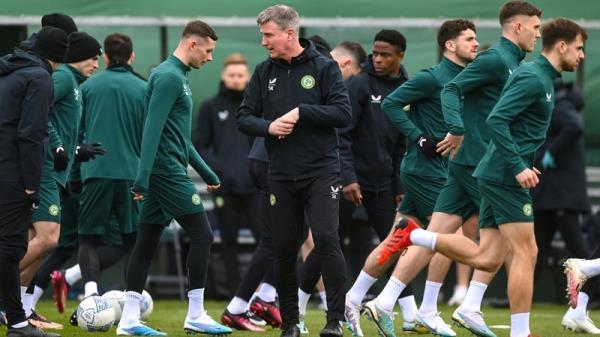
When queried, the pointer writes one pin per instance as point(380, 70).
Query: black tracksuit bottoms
point(15, 219)
point(261, 265)
point(318, 198)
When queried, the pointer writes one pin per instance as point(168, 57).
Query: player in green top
point(466, 102)
point(113, 113)
point(163, 186)
point(517, 127)
point(81, 61)
point(415, 108)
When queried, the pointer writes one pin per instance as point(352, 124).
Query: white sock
point(388, 296)
point(302, 301)
point(20, 325)
point(423, 238)
point(360, 287)
point(267, 292)
point(519, 325)
point(323, 296)
point(582, 302)
point(91, 288)
point(408, 306)
point(196, 305)
point(474, 297)
point(590, 268)
point(237, 306)
point(26, 301)
point(73, 274)
point(131, 309)
point(430, 297)
point(37, 294)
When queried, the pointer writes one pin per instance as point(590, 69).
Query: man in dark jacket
point(296, 99)
point(25, 95)
point(561, 196)
point(226, 149)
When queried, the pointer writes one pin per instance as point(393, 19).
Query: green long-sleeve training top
point(166, 139)
point(468, 99)
point(63, 126)
point(113, 114)
point(519, 122)
point(423, 116)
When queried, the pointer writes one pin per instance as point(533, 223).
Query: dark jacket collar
point(368, 68)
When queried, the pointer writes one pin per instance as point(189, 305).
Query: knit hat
point(51, 44)
point(61, 21)
point(82, 47)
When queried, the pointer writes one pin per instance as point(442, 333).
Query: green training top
point(468, 99)
point(113, 114)
point(423, 116)
point(166, 138)
point(519, 122)
point(64, 120)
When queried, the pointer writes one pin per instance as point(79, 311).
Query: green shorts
point(68, 227)
point(103, 201)
point(169, 197)
point(460, 194)
point(49, 205)
point(502, 204)
point(420, 195)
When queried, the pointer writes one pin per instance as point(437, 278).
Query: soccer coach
point(296, 99)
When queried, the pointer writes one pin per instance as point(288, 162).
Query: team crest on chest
point(307, 82)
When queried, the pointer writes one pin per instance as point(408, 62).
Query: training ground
point(168, 316)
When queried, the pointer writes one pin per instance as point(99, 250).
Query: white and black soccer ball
point(146, 306)
point(116, 300)
point(95, 314)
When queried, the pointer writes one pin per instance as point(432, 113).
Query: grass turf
point(168, 316)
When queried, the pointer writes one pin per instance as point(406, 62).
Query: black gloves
point(85, 152)
point(61, 159)
point(427, 145)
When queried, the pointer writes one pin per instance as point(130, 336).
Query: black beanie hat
point(82, 47)
point(61, 21)
point(51, 44)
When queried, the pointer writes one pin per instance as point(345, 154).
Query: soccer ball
point(146, 306)
point(95, 314)
point(115, 298)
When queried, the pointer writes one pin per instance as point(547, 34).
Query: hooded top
point(372, 147)
point(313, 83)
point(218, 140)
point(25, 97)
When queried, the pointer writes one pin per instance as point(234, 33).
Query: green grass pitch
point(168, 316)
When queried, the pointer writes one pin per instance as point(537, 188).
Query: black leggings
point(261, 265)
point(200, 234)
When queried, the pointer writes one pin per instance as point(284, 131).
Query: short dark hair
point(451, 29)
point(354, 49)
point(118, 48)
point(512, 8)
point(199, 28)
point(560, 29)
point(393, 37)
